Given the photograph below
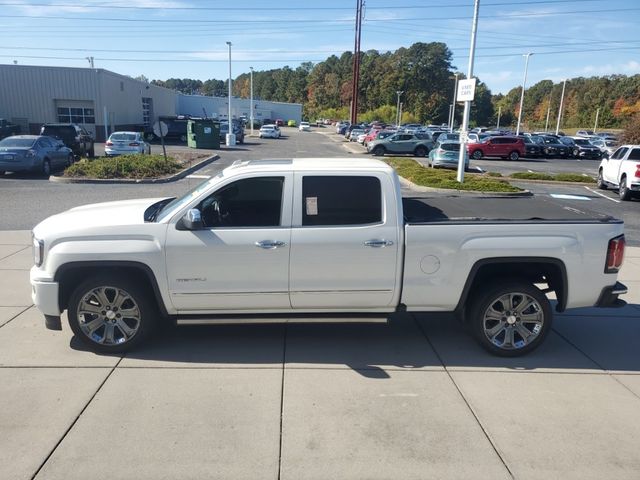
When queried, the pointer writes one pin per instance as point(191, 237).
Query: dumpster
point(203, 133)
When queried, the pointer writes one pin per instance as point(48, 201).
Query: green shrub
point(437, 178)
point(559, 177)
point(574, 177)
point(125, 166)
point(494, 174)
point(532, 176)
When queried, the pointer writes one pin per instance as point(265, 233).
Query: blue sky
point(186, 38)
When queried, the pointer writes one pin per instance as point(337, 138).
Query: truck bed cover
point(461, 209)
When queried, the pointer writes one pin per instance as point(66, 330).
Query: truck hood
point(108, 214)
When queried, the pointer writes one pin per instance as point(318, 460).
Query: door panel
point(234, 264)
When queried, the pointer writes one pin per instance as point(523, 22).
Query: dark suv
point(505, 147)
point(73, 136)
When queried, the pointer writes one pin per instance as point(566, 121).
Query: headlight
point(38, 251)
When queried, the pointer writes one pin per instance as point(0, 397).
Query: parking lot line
point(602, 195)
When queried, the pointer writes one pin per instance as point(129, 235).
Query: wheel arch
point(70, 275)
point(532, 269)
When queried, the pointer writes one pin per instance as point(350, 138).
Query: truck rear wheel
point(111, 314)
point(510, 318)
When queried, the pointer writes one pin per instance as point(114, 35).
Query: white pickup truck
point(310, 239)
point(622, 171)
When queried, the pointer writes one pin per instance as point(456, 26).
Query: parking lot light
point(524, 84)
point(564, 84)
point(230, 139)
point(251, 101)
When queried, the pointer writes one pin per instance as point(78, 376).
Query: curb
point(173, 178)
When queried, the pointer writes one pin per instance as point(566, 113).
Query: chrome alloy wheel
point(512, 321)
point(108, 315)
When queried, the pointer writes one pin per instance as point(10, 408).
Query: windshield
point(17, 142)
point(610, 143)
point(581, 141)
point(176, 204)
point(450, 147)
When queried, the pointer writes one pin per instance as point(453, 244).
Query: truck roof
point(302, 164)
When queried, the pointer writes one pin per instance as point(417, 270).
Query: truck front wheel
point(510, 318)
point(111, 314)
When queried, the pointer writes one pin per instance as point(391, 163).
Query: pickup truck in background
point(622, 171)
point(306, 240)
point(7, 129)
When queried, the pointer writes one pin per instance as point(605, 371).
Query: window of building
point(76, 115)
point(147, 110)
point(342, 200)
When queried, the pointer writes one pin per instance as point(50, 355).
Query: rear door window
point(341, 200)
point(635, 154)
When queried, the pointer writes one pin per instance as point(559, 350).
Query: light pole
point(251, 101)
point(398, 92)
point(231, 138)
point(452, 115)
point(564, 84)
point(524, 83)
point(546, 125)
point(499, 113)
point(595, 125)
point(400, 114)
point(464, 130)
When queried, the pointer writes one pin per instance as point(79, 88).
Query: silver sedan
point(33, 153)
point(126, 143)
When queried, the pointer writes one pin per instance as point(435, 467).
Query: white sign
point(466, 90)
point(160, 129)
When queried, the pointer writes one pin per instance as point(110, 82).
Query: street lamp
point(564, 84)
point(452, 113)
point(398, 92)
point(231, 138)
point(251, 101)
point(524, 83)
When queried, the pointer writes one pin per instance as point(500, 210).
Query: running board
point(281, 318)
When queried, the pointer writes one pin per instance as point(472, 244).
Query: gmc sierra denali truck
point(307, 239)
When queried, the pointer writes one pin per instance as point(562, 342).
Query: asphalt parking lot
point(415, 398)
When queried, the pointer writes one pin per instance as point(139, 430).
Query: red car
point(279, 122)
point(375, 134)
point(505, 147)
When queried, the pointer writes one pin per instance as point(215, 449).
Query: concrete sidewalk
point(412, 399)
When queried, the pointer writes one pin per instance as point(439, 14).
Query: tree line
point(424, 74)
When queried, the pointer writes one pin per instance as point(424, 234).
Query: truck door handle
point(378, 243)
point(270, 244)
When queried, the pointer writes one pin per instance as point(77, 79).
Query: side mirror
point(192, 220)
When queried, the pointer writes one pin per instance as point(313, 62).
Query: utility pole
point(596, 124)
point(464, 130)
point(564, 84)
point(398, 92)
point(499, 113)
point(524, 83)
point(400, 115)
point(356, 64)
point(546, 125)
point(251, 101)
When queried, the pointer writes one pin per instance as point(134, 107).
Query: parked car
point(447, 137)
point(400, 143)
point(278, 240)
point(606, 135)
point(504, 147)
point(582, 148)
point(304, 127)
point(126, 143)
point(552, 147)
point(361, 138)
point(352, 136)
point(73, 136)
point(375, 134)
point(606, 146)
point(33, 153)
point(269, 131)
point(446, 154)
point(279, 122)
point(531, 148)
point(238, 130)
point(8, 129)
point(622, 171)
point(291, 123)
point(584, 133)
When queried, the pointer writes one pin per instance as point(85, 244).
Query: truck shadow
point(579, 342)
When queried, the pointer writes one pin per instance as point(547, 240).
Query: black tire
point(92, 151)
point(45, 170)
point(2, 172)
point(520, 337)
point(477, 154)
point(420, 151)
point(600, 183)
point(69, 162)
point(183, 138)
point(379, 151)
point(623, 191)
point(514, 155)
point(241, 141)
point(139, 300)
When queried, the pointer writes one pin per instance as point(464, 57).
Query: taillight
point(615, 254)
point(134, 144)
point(637, 174)
point(109, 144)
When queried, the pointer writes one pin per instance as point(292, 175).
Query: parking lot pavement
point(414, 398)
